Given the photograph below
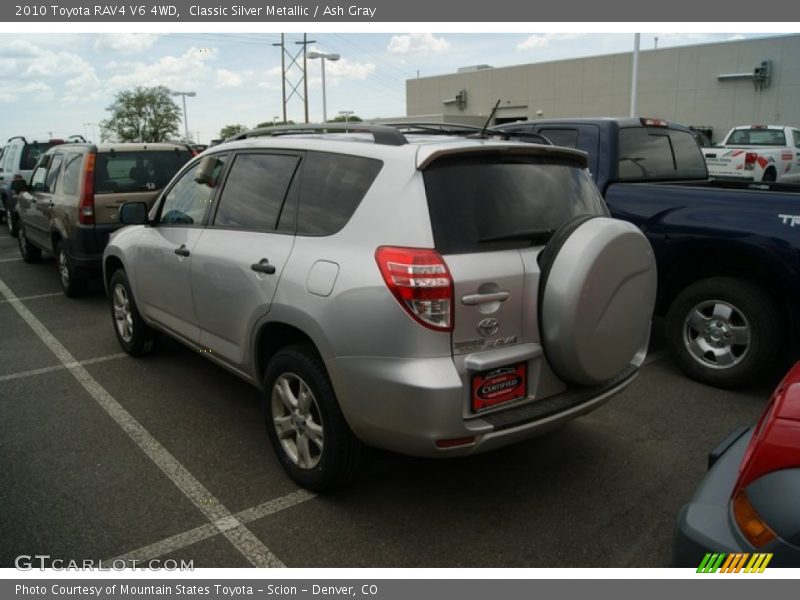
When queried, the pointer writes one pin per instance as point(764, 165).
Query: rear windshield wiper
point(536, 236)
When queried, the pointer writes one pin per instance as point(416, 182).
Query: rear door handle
point(473, 299)
point(263, 266)
point(182, 251)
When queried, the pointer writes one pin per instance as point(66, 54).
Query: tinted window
point(474, 200)
point(52, 173)
point(561, 137)
point(659, 153)
point(72, 173)
point(255, 190)
point(187, 201)
point(31, 153)
point(122, 172)
point(333, 186)
point(796, 135)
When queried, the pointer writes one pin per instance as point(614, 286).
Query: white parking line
point(35, 297)
point(653, 357)
point(4, 260)
point(242, 538)
point(204, 532)
point(45, 370)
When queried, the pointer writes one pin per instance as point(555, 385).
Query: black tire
point(769, 176)
point(135, 336)
point(341, 456)
point(12, 220)
point(30, 253)
point(73, 283)
point(708, 318)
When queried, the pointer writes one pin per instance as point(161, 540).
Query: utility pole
point(291, 66)
point(634, 75)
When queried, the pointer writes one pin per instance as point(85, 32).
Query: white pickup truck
point(756, 153)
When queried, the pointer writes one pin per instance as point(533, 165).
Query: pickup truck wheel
point(723, 331)
point(304, 423)
point(769, 176)
point(133, 334)
point(72, 283)
point(30, 253)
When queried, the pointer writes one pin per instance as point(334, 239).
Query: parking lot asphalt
point(107, 456)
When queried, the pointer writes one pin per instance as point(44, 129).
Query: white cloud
point(86, 86)
point(542, 40)
point(417, 43)
point(19, 49)
point(188, 71)
point(344, 69)
point(35, 90)
point(228, 79)
point(125, 43)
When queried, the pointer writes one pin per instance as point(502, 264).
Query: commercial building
point(709, 86)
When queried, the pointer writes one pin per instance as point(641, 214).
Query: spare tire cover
point(597, 294)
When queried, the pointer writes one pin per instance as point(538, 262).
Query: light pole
point(323, 56)
point(185, 120)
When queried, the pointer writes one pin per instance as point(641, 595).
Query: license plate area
point(499, 386)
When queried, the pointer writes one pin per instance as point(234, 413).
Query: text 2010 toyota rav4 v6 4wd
point(434, 296)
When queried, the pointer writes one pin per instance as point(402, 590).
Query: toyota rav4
point(430, 295)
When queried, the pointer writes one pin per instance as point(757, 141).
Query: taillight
point(750, 161)
point(647, 122)
point(774, 445)
point(86, 207)
point(421, 282)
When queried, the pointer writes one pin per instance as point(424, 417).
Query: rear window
point(122, 172)
point(481, 204)
point(757, 137)
point(32, 152)
point(659, 153)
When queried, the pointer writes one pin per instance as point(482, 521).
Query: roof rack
point(470, 131)
point(18, 137)
point(388, 136)
point(76, 138)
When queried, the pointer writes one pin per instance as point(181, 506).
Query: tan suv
point(72, 202)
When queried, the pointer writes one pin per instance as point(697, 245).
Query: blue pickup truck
point(728, 253)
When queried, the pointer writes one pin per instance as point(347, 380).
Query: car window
point(659, 153)
point(255, 190)
point(333, 186)
point(757, 137)
point(188, 200)
point(38, 179)
point(32, 152)
point(796, 135)
point(561, 137)
point(72, 172)
point(53, 172)
point(483, 204)
point(123, 172)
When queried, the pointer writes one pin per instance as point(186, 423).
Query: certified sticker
point(497, 386)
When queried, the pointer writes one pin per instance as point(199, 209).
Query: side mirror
point(19, 185)
point(133, 213)
point(205, 171)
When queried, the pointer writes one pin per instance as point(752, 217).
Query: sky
point(62, 83)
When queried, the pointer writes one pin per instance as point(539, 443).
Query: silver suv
point(430, 295)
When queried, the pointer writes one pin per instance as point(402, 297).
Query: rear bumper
point(406, 405)
point(706, 524)
point(86, 247)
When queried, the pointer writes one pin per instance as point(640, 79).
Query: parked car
point(757, 153)
point(728, 254)
point(748, 501)
point(430, 295)
point(19, 156)
point(72, 203)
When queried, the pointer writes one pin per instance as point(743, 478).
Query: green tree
point(143, 114)
point(231, 130)
point(274, 124)
point(348, 119)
